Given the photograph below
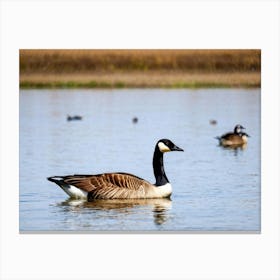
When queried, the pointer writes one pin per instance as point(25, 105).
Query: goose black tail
point(55, 179)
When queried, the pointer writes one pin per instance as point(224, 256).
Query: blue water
point(214, 189)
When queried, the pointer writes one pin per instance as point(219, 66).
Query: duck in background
point(135, 120)
point(234, 139)
point(213, 122)
point(74, 118)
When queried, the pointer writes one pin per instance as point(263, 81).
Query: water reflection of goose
point(160, 212)
point(118, 203)
point(160, 206)
point(120, 185)
point(236, 148)
point(235, 138)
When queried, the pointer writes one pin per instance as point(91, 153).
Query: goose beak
point(175, 148)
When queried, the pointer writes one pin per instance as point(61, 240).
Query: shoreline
point(149, 79)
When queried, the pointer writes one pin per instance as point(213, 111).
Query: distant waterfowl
point(120, 185)
point(213, 122)
point(135, 120)
point(235, 138)
point(74, 118)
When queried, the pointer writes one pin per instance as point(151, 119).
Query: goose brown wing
point(236, 139)
point(82, 182)
point(109, 185)
point(227, 135)
point(232, 137)
point(231, 140)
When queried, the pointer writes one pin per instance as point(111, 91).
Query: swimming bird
point(213, 122)
point(74, 118)
point(120, 185)
point(235, 138)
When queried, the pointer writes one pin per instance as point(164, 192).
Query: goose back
point(113, 185)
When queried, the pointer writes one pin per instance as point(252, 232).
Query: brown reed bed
point(140, 68)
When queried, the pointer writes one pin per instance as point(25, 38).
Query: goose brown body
point(235, 138)
point(112, 185)
point(120, 185)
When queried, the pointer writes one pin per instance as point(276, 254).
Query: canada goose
point(135, 120)
point(74, 118)
point(120, 185)
point(235, 138)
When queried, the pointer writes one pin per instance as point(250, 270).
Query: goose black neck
point(237, 130)
point(159, 172)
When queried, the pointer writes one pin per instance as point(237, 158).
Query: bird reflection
point(160, 213)
point(160, 206)
point(236, 148)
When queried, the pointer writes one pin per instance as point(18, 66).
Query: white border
point(135, 24)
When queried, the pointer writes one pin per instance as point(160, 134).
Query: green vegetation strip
point(94, 84)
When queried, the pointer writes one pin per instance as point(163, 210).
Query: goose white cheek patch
point(163, 148)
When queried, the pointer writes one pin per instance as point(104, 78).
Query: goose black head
point(166, 145)
point(238, 128)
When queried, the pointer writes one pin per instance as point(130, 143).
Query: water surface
point(214, 189)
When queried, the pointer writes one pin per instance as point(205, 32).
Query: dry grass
point(140, 68)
